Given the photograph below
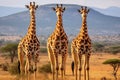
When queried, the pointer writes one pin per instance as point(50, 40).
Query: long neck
point(59, 21)
point(84, 26)
point(32, 26)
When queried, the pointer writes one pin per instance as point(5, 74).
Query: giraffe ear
point(79, 11)
point(54, 9)
point(27, 6)
point(63, 9)
point(88, 10)
point(36, 7)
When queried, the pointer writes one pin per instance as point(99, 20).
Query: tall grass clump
point(5, 66)
point(13, 69)
point(45, 68)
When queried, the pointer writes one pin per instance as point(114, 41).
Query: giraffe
point(58, 44)
point(81, 45)
point(29, 45)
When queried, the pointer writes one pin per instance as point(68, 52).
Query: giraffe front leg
point(80, 66)
point(63, 66)
point(87, 65)
point(35, 64)
point(57, 66)
point(65, 63)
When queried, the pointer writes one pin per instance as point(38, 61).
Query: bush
point(43, 50)
point(113, 49)
point(13, 69)
point(5, 66)
point(45, 68)
point(98, 47)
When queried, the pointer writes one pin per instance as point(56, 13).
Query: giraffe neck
point(84, 26)
point(59, 22)
point(32, 26)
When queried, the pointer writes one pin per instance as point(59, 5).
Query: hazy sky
point(91, 3)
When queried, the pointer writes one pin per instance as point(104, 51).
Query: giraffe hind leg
point(21, 59)
point(52, 60)
point(75, 57)
point(28, 66)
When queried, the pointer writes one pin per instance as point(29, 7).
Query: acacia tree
point(11, 48)
point(115, 63)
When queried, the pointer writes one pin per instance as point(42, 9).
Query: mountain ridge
point(9, 10)
point(98, 23)
point(111, 11)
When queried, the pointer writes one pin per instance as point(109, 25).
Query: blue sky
point(90, 3)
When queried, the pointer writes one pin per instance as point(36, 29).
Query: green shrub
point(98, 47)
point(43, 50)
point(113, 49)
point(13, 69)
point(45, 68)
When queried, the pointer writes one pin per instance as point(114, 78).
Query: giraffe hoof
point(30, 70)
point(61, 68)
point(80, 69)
point(35, 69)
point(87, 68)
point(57, 68)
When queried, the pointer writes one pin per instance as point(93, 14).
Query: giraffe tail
point(18, 66)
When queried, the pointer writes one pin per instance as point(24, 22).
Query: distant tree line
point(11, 48)
point(113, 48)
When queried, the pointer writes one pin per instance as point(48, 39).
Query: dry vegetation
point(97, 69)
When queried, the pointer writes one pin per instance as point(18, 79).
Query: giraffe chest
point(83, 45)
point(59, 43)
point(30, 44)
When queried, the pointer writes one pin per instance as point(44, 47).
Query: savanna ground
point(97, 69)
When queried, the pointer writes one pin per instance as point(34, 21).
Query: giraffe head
point(32, 7)
point(59, 10)
point(84, 11)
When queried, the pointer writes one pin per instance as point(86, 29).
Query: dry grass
point(97, 69)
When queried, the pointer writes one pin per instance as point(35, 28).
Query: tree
point(115, 63)
point(113, 49)
point(11, 48)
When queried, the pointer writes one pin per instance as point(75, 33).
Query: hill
point(9, 10)
point(16, 24)
point(112, 11)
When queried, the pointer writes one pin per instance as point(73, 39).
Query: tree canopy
point(115, 63)
point(11, 48)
